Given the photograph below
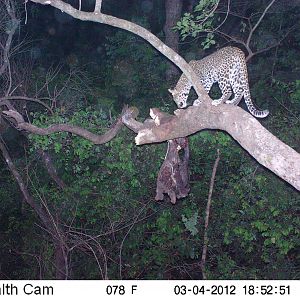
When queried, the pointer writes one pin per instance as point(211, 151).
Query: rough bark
point(173, 13)
point(245, 129)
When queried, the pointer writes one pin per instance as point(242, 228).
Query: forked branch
point(247, 42)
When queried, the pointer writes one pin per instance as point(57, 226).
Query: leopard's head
point(180, 98)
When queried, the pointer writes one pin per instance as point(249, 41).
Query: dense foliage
point(110, 188)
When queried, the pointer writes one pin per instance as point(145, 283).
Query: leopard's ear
point(172, 92)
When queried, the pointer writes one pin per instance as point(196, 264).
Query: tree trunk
point(173, 13)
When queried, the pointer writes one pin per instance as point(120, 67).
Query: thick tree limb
point(262, 145)
point(98, 6)
point(246, 130)
point(173, 10)
point(243, 127)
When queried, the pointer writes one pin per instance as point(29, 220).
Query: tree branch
point(23, 98)
point(207, 212)
point(250, 55)
point(14, 25)
point(44, 215)
point(258, 22)
point(45, 218)
point(98, 6)
point(94, 138)
point(51, 169)
point(244, 128)
point(137, 30)
point(246, 43)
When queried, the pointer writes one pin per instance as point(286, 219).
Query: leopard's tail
point(254, 111)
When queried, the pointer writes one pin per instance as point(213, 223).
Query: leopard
point(228, 68)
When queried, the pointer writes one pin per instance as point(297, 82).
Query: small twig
point(224, 20)
point(23, 98)
point(295, 116)
point(207, 212)
point(9, 40)
point(258, 22)
point(246, 43)
point(26, 13)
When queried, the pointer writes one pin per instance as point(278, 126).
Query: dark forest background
point(101, 198)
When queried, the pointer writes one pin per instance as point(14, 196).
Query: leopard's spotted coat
point(227, 67)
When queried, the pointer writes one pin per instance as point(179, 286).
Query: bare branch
point(246, 43)
point(94, 138)
point(207, 213)
point(232, 38)
point(23, 98)
point(8, 43)
point(19, 180)
point(43, 213)
point(135, 221)
point(250, 55)
point(258, 22)
point(51, 169)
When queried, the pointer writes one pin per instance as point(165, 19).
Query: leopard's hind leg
point(226, 92)
point(238, 94)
